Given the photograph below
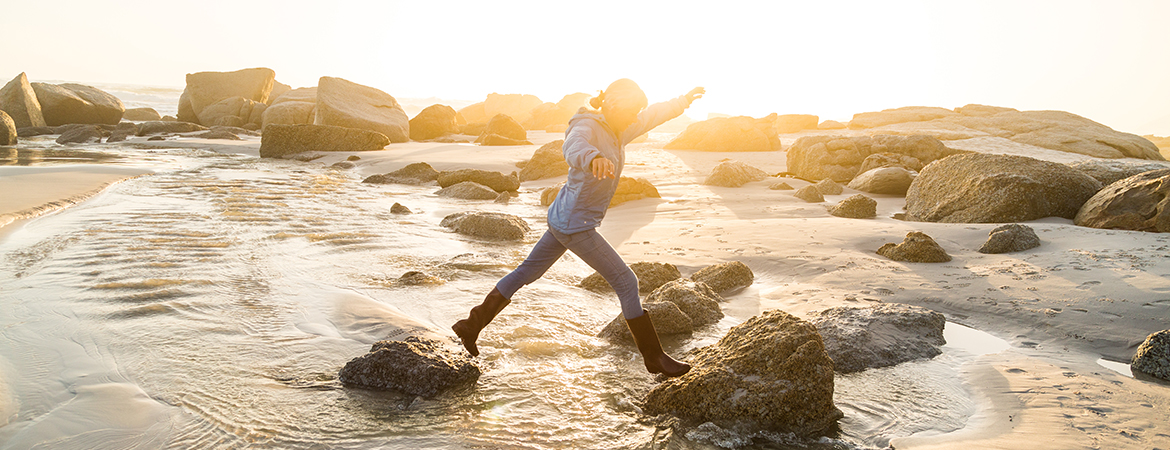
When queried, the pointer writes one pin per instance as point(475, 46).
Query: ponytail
point(595, 102)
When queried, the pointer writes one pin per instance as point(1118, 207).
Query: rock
point(840, 158)
point(769, 373)
point(473, 129)
point(879, 336)
point(491, 139)
point(278, 89)
point(855, 207)
point(726, 276)
point(917, 247)
point(505, 126)
point(809, 194)
point(516, 106)
point(548, 161)
point(549, 194)
point(104, 107)
point(280, 140)
point(18, 99)
point(148, 128)
point(306, 94)
point(1138, 203)
point(398, 208)
point(1110, 171)
point(353, 158)
point(289, 113)
point(494, 180)
point(887, 159)
point(123, 131)
point(487, 225)
point(899, 115)
point(697, 300)
point(432, 122)
point(630, 189)
point(1153, 356)
point(8, 133)
point(503, 198)
point(780, 186)
point(734, 174)
point(729, 134)
point(415, 366)
point(668, 320)
point(60, 106)
point(1008, 238)
point(792, 123)
point(832, 125)
point(884, 180)
point(416, 278)
point(169, 119)
point(468, 190)
point(218, 134)
point(208, 88)
point(347, 104)
point(986, 188)
point(343, 165)
point(81, 135)
point(557, 114)
point(829, 187)
point(141, 114)
point(651, 276)
point(417, 173)
point(231, 111)
point(33, 131)
point(156, 138)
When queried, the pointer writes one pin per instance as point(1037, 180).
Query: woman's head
point(620, 103)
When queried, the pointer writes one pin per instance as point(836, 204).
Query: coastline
point(34, 191)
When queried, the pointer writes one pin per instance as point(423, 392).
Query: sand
point(1084, 294)
point(34, 191)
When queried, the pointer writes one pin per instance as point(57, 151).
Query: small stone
point(855, 207)
point(809, 194)
point(667, 317)
point(343, 165)
point(1153, 356)
point(398, 208)
point(780, 186)
point(416, 278)
point(415, 366)
point(1012, 237)
point(879, 336)
point(651, 276)
point(917, 247)
point(829, 187)
point(726, 276)
point(697, 300)
point(468, 190)
point(487, 225)
point(353, 158)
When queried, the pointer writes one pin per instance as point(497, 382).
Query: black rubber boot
point(657, 361)
point(468, 329)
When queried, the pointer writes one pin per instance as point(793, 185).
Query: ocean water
point(212, 303)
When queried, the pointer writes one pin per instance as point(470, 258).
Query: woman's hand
point(694, 94)
point(602, 167)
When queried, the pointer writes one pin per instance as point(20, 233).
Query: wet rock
point(416, 278)
point(468, 190)
point(81, 135)
point(548, 161)
point(697, 300)
point(353, 158)
point(726, 276)
point(1138, 203)
point(792, 123)
point(504, 126)
point(122, 132)
point(630, 189)
point(1012, 237)
point(415, 366)
point(734, 174)
point(494, 180)
point(985, 188)
point(887, 159)
point(8, 133)
point(769, 373)
point(416, 173)
point(218, 134)
point(280, 140)
point(729, 134)
point(343, 165)
point(667, 317)
point(855, 207)
point(347, 104)
point(18, 99)
point(487, 225)
point(1110, 171)
point(884, 180)
point(879, 336)
point(1153, 356)
point(651, 276)
point(141, 114)
point(208, 88)
point(33, 131)
point(829, 187)
point(809, 194)
point(917, 247)
point(432, 122)
point(491, 139)
point(398, 208)
point(780, 186)
point(156, 138)
point(840, 158)
point(159, 127)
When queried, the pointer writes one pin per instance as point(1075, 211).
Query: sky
point(1106, 60)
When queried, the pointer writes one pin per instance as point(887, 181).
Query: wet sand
point(34, 191)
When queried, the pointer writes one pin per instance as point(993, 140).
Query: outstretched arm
point(658, 113)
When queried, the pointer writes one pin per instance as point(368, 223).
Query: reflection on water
point(1119, 367)
point(32, 156)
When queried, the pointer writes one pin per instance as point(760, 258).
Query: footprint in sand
point(1088, 285)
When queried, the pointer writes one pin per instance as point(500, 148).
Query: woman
point(595, 150)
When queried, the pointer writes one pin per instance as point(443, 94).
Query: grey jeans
point(592, 248)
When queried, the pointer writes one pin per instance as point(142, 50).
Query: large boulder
point(986, 188)
point(1138, 203)
point(487, 225)
point(432, 122)
point(729, 134)
point(516, 106)
point(725, 276)
point(651, 276)
point(468, 190)
point(548, 161)
point(232, 112)
point(289, 113)
point(143, 114)
point(697, 300)
point(884, 180)
point(278, 89)
point(630, 189)
point(495, 180)
point(792, 123)
point(840, 158)
point(347, 104)
point(159, 127)
point(734, 174)
point(19, 100)
point(1153, 356)
point(1012, 237)
point(416, 173)
point(855, 207)
point(280, 140)
point(557, 114)
point(879, 336)
point(107, 109)
point(305, 94)
point(208, 88)
point(769, 373)
point(1109, 171)
point(8, 134)
point(886, 159)
point(917, 247)
point(899, 115)
point(504, 126)
point(415, 366)
point(668, 320)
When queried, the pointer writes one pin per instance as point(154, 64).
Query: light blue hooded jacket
point(581, 203)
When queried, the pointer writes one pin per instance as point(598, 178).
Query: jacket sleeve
point(655, 115)
point(579, 151)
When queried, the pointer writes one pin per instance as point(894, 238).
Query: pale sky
point(1106, 60)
